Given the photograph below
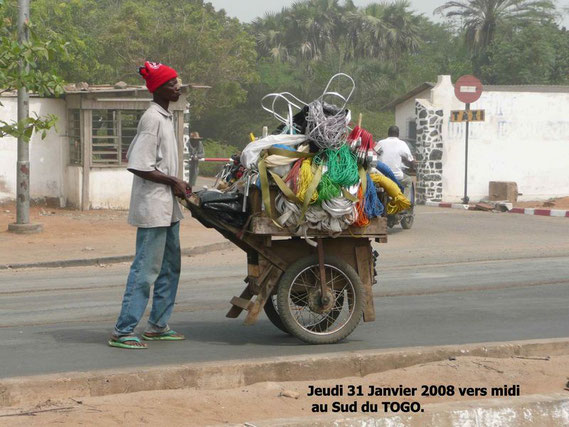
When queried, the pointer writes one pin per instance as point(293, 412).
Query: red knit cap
point(156, 74)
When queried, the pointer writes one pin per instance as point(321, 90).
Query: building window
point(113, 131)
point(74, 135)
point(129, 125)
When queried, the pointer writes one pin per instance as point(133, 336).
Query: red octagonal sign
point(468, 89)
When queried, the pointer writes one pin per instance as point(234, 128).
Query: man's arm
point(179, 187)
point(411, 164)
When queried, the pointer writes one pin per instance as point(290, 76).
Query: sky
point(248, 10)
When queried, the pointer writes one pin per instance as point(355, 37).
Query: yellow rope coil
point(398, 201)
point(304, 180)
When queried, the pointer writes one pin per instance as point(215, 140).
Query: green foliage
point(215, 149)
point(23, 65)
point(109, 40)
point(375, 122)
point(386, 47)
point(310, 30)
point(532, 55)
point(25, 128)
point(481, 19)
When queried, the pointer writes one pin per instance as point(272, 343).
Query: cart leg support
point(264, 294)
point(365, 271)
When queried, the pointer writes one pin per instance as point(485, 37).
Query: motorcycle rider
point(395, 153)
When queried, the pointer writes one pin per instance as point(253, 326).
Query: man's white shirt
point(154, 147)
point(393, 150)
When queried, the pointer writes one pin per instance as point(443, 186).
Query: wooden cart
point(318, 294)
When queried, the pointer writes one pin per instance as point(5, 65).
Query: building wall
point(110, 188)
point(524, 139)
point(47, 156)
point(405, 113)
point(429, 152)
point(51, 174)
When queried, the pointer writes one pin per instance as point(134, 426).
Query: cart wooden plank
point(377, 228)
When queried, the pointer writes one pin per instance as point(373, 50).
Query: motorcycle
point(405, 218)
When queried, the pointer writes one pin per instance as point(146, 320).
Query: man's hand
point(411, 165)
point(181, 189)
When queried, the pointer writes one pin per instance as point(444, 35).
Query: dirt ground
point(73, 234)
point(267, 401)
point(558, 203)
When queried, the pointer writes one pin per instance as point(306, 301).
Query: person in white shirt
point(395, 153)
point(154, 210)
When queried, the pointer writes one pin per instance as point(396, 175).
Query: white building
point(524, 139)
point(82, 163)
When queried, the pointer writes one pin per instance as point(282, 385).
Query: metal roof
point(72, 89)
point(416, 91)
point(527, 88)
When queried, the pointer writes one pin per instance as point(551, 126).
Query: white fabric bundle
point(250, 154)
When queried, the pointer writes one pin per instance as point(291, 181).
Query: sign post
point(468, 89)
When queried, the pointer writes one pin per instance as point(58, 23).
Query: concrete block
point(503, 190)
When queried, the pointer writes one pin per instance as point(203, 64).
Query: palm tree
point(481, 18)
point(269, 32)
point(384, 30)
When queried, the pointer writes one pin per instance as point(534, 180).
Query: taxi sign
point(468, 116)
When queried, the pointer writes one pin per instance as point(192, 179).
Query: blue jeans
point(157, 261)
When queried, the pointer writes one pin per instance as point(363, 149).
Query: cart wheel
point(300, 307)
point(273, 315)
point(407, 221)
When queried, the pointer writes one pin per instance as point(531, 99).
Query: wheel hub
point(320, 305)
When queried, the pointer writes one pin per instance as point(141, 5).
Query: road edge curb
point(239, 373)
point(524, 211)
point(548, 409)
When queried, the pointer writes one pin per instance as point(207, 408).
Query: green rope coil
point(342, 167)
point(327, 189)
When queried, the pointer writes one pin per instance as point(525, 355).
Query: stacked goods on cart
point(324, 172)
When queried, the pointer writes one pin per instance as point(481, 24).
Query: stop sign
point(468, 89)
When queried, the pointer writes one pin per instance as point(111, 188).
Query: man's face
point(170, 91)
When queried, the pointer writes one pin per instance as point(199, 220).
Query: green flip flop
point(165, 336)
point(121, 342)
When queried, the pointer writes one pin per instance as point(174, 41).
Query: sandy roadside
point(266, 400)
point(557, 203)
point(72, 234)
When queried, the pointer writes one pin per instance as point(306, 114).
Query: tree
point(306, 31)
point(32, 56)
point(535, 54)
point(482, 18)
point(384, 30)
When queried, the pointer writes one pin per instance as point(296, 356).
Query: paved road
point(457, 277)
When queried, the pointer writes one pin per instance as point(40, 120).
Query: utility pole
point(468, 89)
point(22, 225)
point(466, 199)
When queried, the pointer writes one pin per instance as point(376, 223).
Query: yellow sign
point(468, 116)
